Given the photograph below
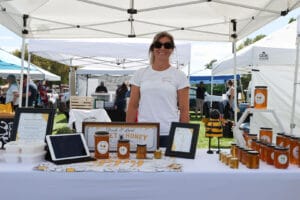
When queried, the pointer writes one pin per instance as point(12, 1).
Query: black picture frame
point(28, 120)
point(183, 140)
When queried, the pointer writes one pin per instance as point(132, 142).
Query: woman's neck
point(160, 66)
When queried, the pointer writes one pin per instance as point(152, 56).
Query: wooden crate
point(81, 102)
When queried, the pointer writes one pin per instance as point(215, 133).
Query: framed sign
point(137, 133)
point(6, 124)
point(32, 123)
point(183, 140)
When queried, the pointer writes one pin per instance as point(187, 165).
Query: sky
point(201, 52)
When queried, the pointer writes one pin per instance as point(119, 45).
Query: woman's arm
point(184, 105)
point(133, 104)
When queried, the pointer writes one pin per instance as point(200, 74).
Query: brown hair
point(156, 38)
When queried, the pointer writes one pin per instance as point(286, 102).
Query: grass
point(60, 123)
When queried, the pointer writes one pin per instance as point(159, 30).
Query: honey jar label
point(266, 138)
point(272, 155)
point(259, 98)
point(296, 152)
point(282, 159)
point(123, 150)
point(102, 147)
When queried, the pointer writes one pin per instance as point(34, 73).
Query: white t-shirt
point(9, 94)
point(158, 95)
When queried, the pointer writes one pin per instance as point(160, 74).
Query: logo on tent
point(263, 56)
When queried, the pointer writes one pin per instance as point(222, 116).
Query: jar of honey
point(101, 145)
point(157, 154)
point(281, 157)
point(281, 139)
point(234, 150)
point(266, 134)
point(234, 163)
point(253, 160)
point(269, 154)
point(294, 150)
point(141, 151)
point(249, 137)
point(245, 156)
point(123, 149)
point(263, 151)
point(260, 97)
point(240, 153)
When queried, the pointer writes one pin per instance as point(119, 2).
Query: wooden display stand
point(236, 132)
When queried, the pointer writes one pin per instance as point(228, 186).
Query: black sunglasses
point(167, 45)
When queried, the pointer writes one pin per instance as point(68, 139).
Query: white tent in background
point(36, 73)
point(273, 57)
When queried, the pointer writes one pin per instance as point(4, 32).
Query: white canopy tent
point(36, 73)
point(273, 59)
point(212, 20)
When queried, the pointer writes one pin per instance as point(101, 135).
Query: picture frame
point(32, 123)
point(183, 140)
point(137, 133)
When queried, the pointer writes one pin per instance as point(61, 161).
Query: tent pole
point(211, 88)
point(235, 85)
point(22, 71)
point(28, 79)
point(87, 85)
point(292, 123)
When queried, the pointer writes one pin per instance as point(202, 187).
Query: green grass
point(60, 122)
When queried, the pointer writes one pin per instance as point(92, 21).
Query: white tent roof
point(278, 48)
point(116, 54)
point(185, 19)
point(36, 72)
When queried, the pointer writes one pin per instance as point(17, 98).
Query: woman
point(12, 92)
point(160, 92)
point(230, 95)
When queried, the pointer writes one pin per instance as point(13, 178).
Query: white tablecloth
point(202, 178)
point(80, 115)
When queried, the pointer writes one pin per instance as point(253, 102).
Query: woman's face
point(163, 51)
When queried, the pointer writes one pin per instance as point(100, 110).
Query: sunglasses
point(167, 45)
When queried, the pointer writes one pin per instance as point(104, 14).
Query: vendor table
point(78, 116)
point(202, 178)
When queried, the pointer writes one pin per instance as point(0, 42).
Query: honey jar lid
point(253, 152)
point(252, 134)
point(122, 139)
point(233, 144)
point(281, 148)
point(271, 145)
point(261, 86)
point(141, 145)
point(101, 133)
point(266, 128)
point(281, 133)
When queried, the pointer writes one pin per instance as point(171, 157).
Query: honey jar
point(281, 139)
point(234, 150)
point(223, 158)
point(141, 151)
point(263, 151)
point(294, 150)
point(266, 134)
point(101, 145)
point(249, 137)
point(260, 97)
point(245, 156)
point(123, 150)
point(240, 153)
point(281, 157)
point(269, 154)
point(157, 154)
point(234, 163)
point(227, 159)
point(253, 160)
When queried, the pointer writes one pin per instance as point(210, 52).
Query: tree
point(210, 64)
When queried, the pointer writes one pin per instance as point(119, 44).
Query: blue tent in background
point(194, 79)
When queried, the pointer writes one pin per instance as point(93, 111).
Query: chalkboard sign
point(137, 133)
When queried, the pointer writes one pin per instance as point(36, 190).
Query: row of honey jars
point(272, 154)
point(246, 156)
point(291, 142)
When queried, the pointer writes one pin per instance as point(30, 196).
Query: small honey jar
point(269, 154)
point(234, 163)
point(294, 149)
point(281, 139)
point(223, 158)
point(240, 153)
point(249, 137)
point(245, 156)
point(281, 157)
point(101, 145)
point(234, 150)
point(157, 154)
point(141, 151)
point(260, 97)
point(263, 151)
point(253, 160)
point(227, 159)
point(123, 148)
point(266, 134)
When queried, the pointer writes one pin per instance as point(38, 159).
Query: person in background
point(12, 93)
point(229, 106)
point(200, 95)
point(32, 92)
point(120, 101)
point(101, 88)
point(160, 92)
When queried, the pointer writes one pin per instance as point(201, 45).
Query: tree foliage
point(49, 65)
